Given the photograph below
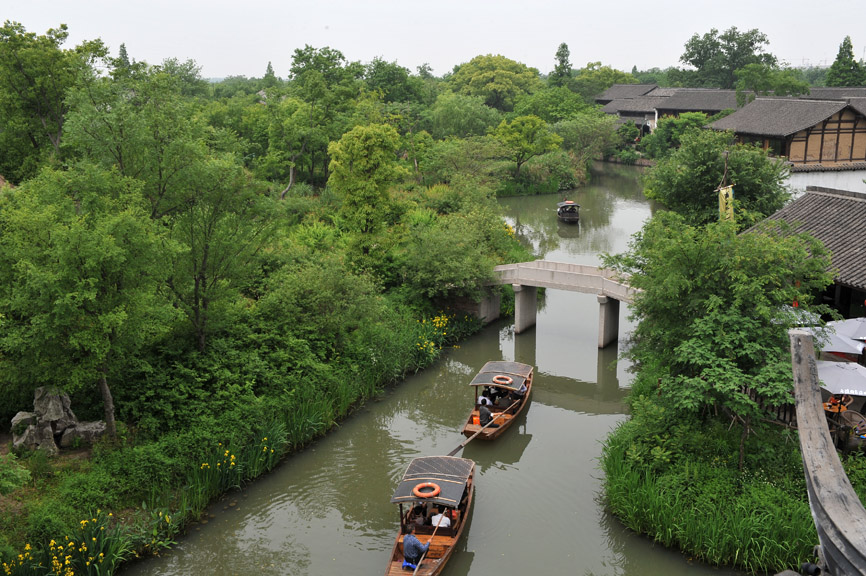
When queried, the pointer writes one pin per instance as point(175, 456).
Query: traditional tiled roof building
point(838, 219)
point(811, 134)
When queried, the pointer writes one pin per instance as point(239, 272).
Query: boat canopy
point(567, 203)
point(448, 472)
point(515, 371)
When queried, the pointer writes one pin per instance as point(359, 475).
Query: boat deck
point(431, 562)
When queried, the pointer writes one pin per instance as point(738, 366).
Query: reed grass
point(712, 513)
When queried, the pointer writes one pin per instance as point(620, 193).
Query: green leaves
point(709, 307)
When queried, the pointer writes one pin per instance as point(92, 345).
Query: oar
point(424, 555)
point(492, 420)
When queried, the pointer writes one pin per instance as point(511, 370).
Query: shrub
point(12, 474)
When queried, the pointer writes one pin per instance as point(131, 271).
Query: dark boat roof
point(567, 203)
point(519, 373)
point(449, 473)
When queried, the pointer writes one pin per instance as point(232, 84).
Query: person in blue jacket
point(413, 550)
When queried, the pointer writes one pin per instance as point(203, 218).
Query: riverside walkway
point(527, 277)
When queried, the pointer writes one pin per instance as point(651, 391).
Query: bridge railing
point(565, 276)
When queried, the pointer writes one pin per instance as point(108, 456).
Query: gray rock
point(52, 405)
point(37, 437)
point(21, 421)
point(85, 432)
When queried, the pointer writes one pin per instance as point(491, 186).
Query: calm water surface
point(326, 511)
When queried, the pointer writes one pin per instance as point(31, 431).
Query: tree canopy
point(688, 179)
point(711, 309)
point(497, 79)
point(845, 70)
point(716, 57)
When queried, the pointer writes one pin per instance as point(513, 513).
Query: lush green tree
point(269, 80)
point(687, 180)
point(459, 116)
point(585, 137)
point(330, 84)
point(709, 311)
point(290, 134)
point(36, 74)
point(81, 267)
point(666, 136)
point(526, 137)
point(497, 79)
point(143, 127)
point(594, 79)
point(220, 225)
point(187, 75)
point(845, 70)
point(759, 79)
point(562, 71)
point(474, 159)
point(363, 166)
point(551, 104)
point(716, 57)
point(393, 80)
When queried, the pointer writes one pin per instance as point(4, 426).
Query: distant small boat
point(444, 482)
point(511, 384)
point(568, 211)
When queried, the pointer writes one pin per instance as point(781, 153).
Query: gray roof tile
point(838, 219)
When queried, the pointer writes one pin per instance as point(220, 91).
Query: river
point(326, 510)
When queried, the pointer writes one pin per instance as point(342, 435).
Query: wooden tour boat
point(510, 383)
point(442, 482)
point(568, 211)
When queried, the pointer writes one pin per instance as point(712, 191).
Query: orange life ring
point(502, 379)
point(421, 493)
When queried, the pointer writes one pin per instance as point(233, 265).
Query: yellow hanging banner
point(726, 203)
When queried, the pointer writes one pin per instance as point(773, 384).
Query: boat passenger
point(419, 517)
point(413, 550)
point(440, 519)
point(485, 416)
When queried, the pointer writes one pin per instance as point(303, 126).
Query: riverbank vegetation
point(222, 271)
point(703, 464)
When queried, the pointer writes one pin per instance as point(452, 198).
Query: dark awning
point(517, 372)
point(449, 473)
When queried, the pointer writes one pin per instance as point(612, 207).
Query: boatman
point(413, 550)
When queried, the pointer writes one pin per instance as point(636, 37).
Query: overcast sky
point(239, 38)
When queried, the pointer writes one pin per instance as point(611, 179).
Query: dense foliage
point(687, 180)
point(698, 466)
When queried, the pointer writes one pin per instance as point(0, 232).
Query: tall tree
point(710, 311)
point(497, 79)
point(594, 79)
point(526, 137)
point(845, 70)
point(686, 181)
point(142, 126)
point(81, 266)
point(35, 76)
point(562, 71)
point(221, 224)
point(759, 79)
point(716, 57)
point(363, 166)
point(269, 80)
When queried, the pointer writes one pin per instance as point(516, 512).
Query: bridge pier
point(608, 320)
point(525, 307)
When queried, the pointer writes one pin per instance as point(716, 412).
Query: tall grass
point(715, 514)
